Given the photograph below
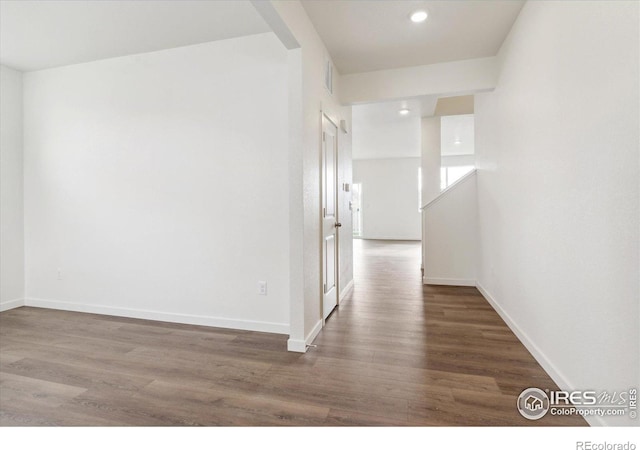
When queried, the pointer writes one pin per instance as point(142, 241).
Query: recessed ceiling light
point(419, 16)
point(404, 111)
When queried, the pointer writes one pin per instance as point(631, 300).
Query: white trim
point(346, 289)
point(11, 304)
point(450, 188)
point(552, 370)
point(209, 321)
point(448, 281)
point(334, 121)
point(313, 333)
point(297, 345)
point(393, 238)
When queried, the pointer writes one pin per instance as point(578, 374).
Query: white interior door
point(329, 217)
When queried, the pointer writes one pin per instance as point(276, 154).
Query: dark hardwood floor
point(394, 353)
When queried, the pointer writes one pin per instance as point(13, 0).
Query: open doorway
point(405, 153)
point(386, 190)
point(386, 164)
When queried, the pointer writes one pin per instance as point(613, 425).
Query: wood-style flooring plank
point(394, 353)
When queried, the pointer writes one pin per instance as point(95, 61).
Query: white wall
point(557, 152)
point(458, 160)
point(443, 79)
point(380, 132)
point(389, 197)
point(457, 135)
point(430, 161)
point(315, 99)
point(450, 236)
point(158, 185)
point(11, 190)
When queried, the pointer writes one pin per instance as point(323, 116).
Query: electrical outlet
point(262, 288)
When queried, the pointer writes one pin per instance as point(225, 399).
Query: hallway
point(442, 350)
point(394, 353)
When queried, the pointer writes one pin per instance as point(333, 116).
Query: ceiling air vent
point(328, 75)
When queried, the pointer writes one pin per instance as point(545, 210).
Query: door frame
point(335, 122)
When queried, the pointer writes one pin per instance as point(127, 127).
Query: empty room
point(346, 214)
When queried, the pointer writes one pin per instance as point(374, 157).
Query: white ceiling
point(361, 35)
point(42, 34)
point(379, 131)
point(366, 35)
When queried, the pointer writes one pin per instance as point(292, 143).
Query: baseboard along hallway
point(394, 353)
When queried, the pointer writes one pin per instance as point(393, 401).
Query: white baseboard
point(209, 321)
point(393, 238)
point(296, 345)
point(11, 304)
point(448, 281)
point(300, 346)
point(315, 331)
point(552, 370)
point(346, 289)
